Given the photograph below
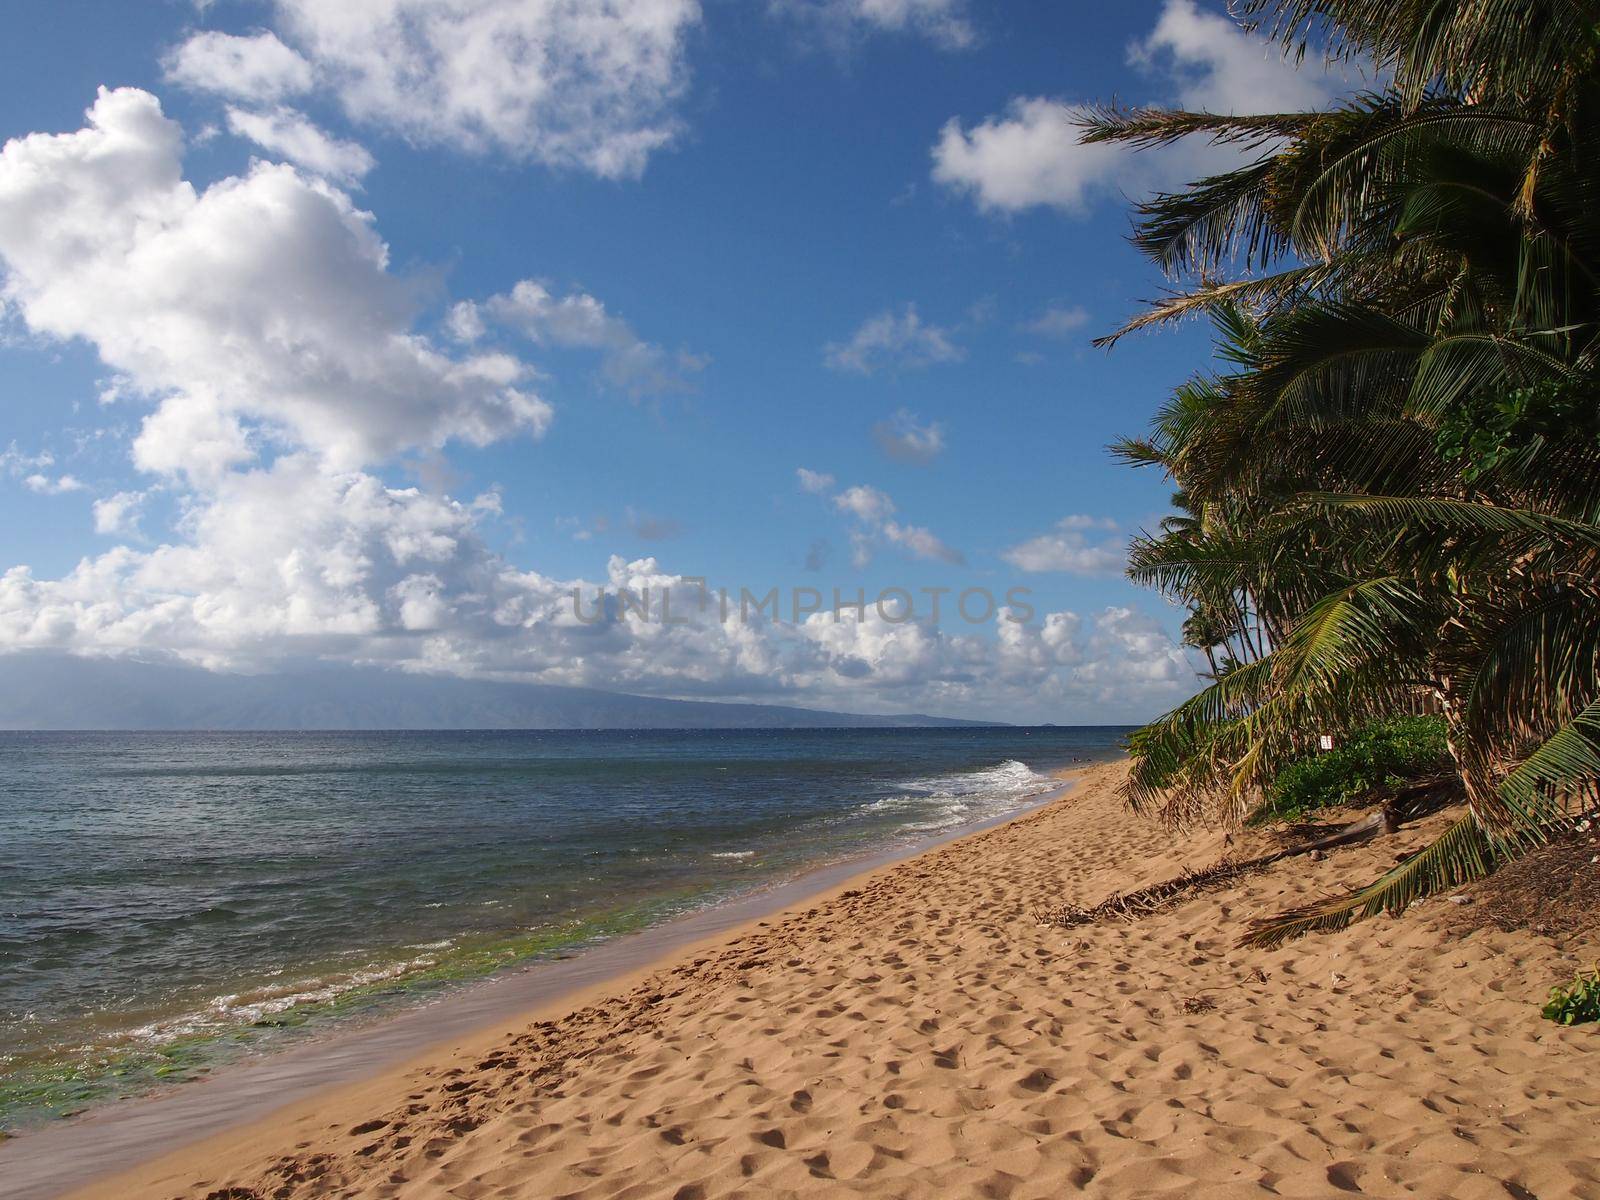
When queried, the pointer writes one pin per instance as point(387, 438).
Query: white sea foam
point(734, 854)
point(941, 802)
point(232, 1009)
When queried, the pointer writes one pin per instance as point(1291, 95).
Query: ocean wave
point(936, 803)
point(235, 1009)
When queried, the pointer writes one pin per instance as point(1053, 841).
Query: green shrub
point(1577, 1003)
point(1383, 754)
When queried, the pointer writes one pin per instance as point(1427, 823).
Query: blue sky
point(364, 333)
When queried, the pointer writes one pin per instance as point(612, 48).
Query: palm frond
point(1566, 765)
point(1264, 293)
point(1213, 221)
point(1150, 127)
point(1458, 856)
point(1443, 513)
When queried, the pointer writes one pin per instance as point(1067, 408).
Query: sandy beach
point(917, 1032)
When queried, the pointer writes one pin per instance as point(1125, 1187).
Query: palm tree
point(1398, 481)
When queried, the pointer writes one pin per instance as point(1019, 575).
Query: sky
point(370, 333)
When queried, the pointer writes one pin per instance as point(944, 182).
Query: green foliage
point(1381, 754)
point(1578, 1003)
point(1489, 429)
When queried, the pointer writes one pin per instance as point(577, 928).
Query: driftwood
point(1142, 902)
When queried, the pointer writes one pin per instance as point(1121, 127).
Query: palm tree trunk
point(1482, 797)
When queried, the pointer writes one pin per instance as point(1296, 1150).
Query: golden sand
point(917, 1033)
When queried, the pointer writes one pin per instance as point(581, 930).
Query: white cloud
point(15, 462)
point(1068, 548)
point(1217, 67)
point(260, 309)
point(465, 322)
point(1031, 155)
point(893, 340)
point(291, 561)
point(119, 514)
point(290, 134)
point(46, 485)
point(921, 542)
point(865, 503)
point(587, 84)
point(815, 482)
point(1131, 653)
point(260, 320)
point(903, 438)
point(946, 23)
point(32, 471)
point(580, 321)
point(420, 603)
point(258, 67)
point(874, 511)
point(1058, 321)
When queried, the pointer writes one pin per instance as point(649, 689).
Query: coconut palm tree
point(1397, 482)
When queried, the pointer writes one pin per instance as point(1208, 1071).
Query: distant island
point(40, 691)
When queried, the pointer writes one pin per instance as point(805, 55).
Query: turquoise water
point(171, 901)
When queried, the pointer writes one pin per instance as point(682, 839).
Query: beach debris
point(1143, 902)
point(1460, 899)
point(1195, 1005)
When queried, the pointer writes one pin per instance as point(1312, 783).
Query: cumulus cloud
point(865, 503)
point(292, 561)
point(1058, 321)
point(1067, 548)
point(1031, 155)
point(892, 340)
point(270, 557)
point(1216, 67)
point(946, 23)
point(1130, 653)
point(579, 321)
point(903, 438)
point(921, 542)
point(465, 322)
point(258, 310)
point(52, 485)
point(815, 482)
point(292, 135)
point(873, 511)
point(259, 67)
point(259, 322)
point(32, 471)
point(118, 514)
point(584, 84)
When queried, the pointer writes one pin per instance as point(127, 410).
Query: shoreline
point(109, 1140)
point(916, 1031)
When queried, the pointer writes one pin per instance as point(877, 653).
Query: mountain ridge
point(42, 692)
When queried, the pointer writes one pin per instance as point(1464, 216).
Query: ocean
point(171, 902)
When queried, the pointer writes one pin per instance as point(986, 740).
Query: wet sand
point(915, 1032)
